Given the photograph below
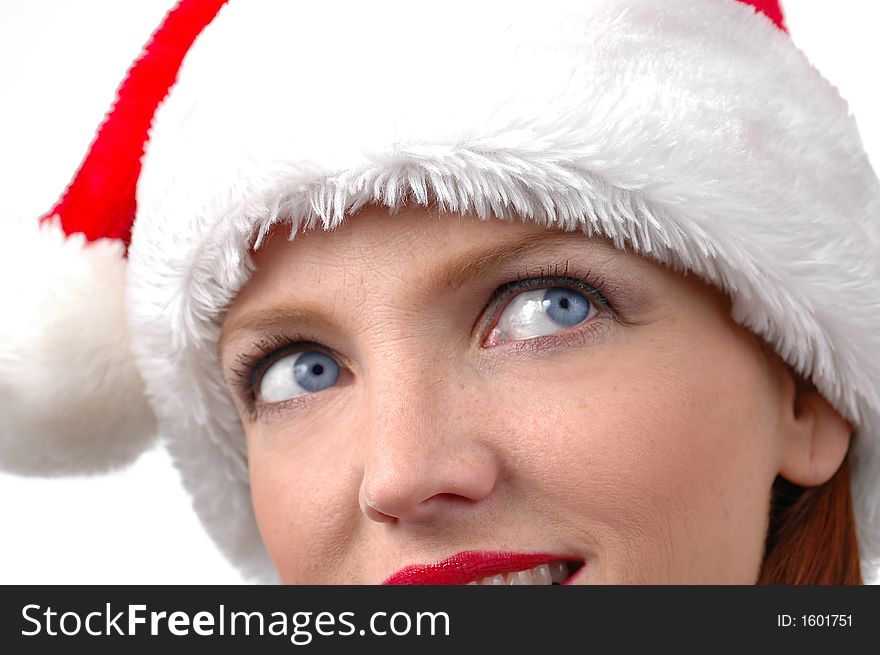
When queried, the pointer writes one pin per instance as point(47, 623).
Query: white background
point(60, 63)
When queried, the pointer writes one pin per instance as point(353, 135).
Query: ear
point(816, 440)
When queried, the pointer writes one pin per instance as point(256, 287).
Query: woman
point(621, 362)
point(571, 411)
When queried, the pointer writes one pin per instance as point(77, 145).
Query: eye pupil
point(317, 369)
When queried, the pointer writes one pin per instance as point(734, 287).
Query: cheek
point(303, 502)
point(660, 464)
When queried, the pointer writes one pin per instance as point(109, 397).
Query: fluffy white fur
point(71, 398)
point(692, 130)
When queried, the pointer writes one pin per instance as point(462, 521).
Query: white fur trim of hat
point(693, 131)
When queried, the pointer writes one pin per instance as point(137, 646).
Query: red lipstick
point(471, 565)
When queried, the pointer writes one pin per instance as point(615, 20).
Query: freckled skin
point(648, 449)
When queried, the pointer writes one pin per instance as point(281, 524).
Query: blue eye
point(296, 375)
point(566, 307)
point(540, 312)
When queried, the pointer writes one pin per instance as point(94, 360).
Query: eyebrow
point(452, 275)
point(461, 269)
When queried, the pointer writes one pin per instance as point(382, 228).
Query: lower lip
point(469, 566)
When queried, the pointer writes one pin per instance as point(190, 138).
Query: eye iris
point(314, 371)
point(566, 306)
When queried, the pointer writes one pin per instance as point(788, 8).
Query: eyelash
point(263, 353)
point(272, 347)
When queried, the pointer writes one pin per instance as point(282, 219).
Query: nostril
point(372, 512)
point(448, 498)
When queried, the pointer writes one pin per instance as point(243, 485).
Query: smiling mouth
point(554, 573)
point(492, 569)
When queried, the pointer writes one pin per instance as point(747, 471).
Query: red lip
point(467, 566)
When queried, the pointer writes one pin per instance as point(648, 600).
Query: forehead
point(417, 253)
point(415, 236)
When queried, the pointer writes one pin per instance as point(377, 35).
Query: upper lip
point(470, 565)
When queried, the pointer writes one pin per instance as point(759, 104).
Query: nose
point(421, 459)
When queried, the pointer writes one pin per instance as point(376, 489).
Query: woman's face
point(428, 385)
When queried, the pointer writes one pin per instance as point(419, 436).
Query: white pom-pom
point(71, 398)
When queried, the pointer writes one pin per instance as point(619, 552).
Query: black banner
point(433, 619)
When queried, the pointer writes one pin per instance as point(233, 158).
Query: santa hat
point(692, 130)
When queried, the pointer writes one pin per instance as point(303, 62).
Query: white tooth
point(541, 574)
point(525, 577)
point(494, 580)
point(520, 578)
point(510, 578)
point(558, 572)
point(473, 582)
